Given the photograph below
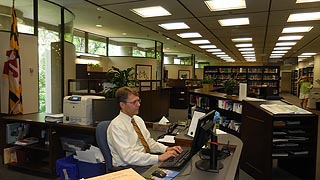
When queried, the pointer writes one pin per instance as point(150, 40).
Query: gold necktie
point(138, 131)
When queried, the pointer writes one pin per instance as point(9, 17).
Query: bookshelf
point(289, 139)
point(262, 80)
point(294, 84)
point(229, 107)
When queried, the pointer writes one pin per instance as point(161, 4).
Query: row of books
point(230, 106)
point(199, 101)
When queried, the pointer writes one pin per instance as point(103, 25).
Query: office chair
point(101, 137)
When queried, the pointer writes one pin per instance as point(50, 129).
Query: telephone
point(174, 129)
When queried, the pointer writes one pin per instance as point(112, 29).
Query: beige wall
point(199, 73)
point(126, 62)
point(29, 71)
point(174, 69)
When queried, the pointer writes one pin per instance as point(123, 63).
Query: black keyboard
point(177, 162)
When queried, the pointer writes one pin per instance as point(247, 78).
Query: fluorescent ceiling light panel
point(221, 5)
point(203, 41)
point(247, 52)
point(230, 60)
point(297, 29)
point(234, 22)
point(304, 17)
point(279, 52)
point(246, 49)
point(290, 38)
point(304, 56)
point(306, 1)
point(248, 55)
point(275, 57)
point(282, 48)
point(174, 26)
point(222, 55)
point(189, 35)
point(244, 45)
point(213, 50)
point(308, 54)
point(241, 39)
point(216, 53)
point(154, 11)
point(286, 43)
point(207, 46)
point(250, 59)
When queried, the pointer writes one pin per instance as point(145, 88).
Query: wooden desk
point(42, 158)
point(230, 163)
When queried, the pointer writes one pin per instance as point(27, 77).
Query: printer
point(78, 109)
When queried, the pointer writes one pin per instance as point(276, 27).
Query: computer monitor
point(203, 134)
point(104, 110)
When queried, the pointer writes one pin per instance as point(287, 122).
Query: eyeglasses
point(135, 102)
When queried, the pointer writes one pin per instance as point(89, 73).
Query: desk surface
point(190, 172)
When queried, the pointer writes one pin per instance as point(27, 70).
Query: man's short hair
point(123, 93)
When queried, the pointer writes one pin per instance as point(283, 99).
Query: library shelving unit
point(229, 108)
point(306, 71)
point(288, 138)
point(179, 96)
point(294, 84)
point(262, 80)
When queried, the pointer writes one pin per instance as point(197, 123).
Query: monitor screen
point(104, 110)
point(203, 132)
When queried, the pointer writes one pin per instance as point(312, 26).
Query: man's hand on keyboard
point(167, 155)
point(178, 149)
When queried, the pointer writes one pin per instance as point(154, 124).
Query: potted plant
point(229, 85)
point(119, 78)
point(207, 83)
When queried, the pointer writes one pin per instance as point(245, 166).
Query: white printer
point(78, 109)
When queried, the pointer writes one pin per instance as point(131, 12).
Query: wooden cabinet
point(288, 139)
point(40, 157)
point(262, 80)
point(179, 96)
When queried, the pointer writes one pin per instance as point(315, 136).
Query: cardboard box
point(161, 127)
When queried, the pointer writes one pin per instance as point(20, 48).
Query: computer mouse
point(159, 173)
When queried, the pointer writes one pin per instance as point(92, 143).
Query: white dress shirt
point(126, 147)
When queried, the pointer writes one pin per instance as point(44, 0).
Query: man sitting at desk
point(129, 139)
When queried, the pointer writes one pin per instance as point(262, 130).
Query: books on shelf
point(27, 141)
point(10, 155)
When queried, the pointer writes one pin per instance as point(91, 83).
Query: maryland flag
point(12, 69)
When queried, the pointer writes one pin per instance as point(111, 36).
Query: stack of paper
point(54, 118)
point(92, 155)
point(27, 141)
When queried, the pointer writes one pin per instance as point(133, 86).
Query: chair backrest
point(101, 138)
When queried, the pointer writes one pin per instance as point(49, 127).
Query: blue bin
point(87, 170)
point(67, 166)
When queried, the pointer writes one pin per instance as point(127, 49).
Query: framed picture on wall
point(183, 74)
point(144, 72)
